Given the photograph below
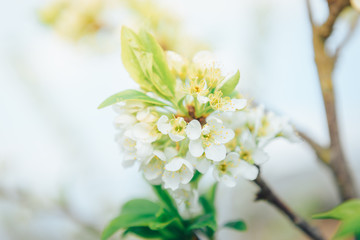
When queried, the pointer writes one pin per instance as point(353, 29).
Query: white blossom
point(211, 139)
point(250, 151)
point(201, 164)
point(175, 128)
point(177, 170)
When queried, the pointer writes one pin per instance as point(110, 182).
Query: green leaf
point(131, 47)
point(130, 95)
point(346, 210)
point(349, 215)
point(208, 200)
point(134, 213)
point(166, 200)
point(229, 84)
point(237, 225)
point(144, 232)
point(349, 227)
point(158, 225)
point(140, 207)
point(207, 220)
point(163, 79)
point(126, 221)
point(180, 105)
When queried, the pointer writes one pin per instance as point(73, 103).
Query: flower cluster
point(188, 120)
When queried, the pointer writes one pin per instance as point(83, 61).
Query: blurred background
point(60, 168)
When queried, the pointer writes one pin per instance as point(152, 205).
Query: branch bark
point(268, 195)
point(322, 153)
point(325, 64)
point(335, 8)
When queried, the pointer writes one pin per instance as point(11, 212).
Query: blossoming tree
point(187, 120)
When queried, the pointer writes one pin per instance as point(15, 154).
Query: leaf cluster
point(161, 220)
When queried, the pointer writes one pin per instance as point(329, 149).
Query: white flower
point(124, 120)
point(146, 115)
point(225, 171)
point(175, 128)
point(143, 149)
point(231, 167)
point(128, 148)
point(233, 105)
point(143, 132)
point(163, 124)
point(177, 171)
point(249, 151)
point(133, 150)
point(225, 104)
point(211, 139)
point(187, 199)
point(202, 164)
point(286, 130)
point(228, 119)
point(154, 167)
point(247, 170)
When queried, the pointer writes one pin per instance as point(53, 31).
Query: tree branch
point(335, 8)
point(322, 153)
point(325, 64)
point(268, 195)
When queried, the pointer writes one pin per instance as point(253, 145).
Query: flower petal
point(239, 103)
point(176, 137)
point(186, 175)
point(260, 156)
point(216, 152)
point(175, 164)
point(163, 124)
point(202, 99)
point(224, 136)
point(195, 147)
point(142, 132)
point(247, 170)
point(160, 155)
point(143, 149)
point(232, 157)
point(202, 165)
point(170, 152)
point(228, 180)
point(193, 129)
point(171, 180)
point(153, 169)
point(124, 120)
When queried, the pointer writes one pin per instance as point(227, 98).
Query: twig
point(322, 153)
point(325, 64)
point(335, 8)
point(268, 195)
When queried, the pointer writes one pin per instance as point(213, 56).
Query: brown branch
point(322, 153)
point(335, 8)
point(268, 195)
point(325, 64)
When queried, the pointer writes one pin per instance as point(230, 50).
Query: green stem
point(168, 202)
